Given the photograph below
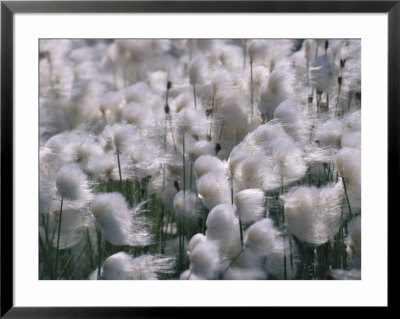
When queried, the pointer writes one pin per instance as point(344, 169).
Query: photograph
point(199, 159)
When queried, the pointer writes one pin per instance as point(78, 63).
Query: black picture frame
point(9, 8)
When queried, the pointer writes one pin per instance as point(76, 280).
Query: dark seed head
point(310, 99)
point(217, 148)
point(176, 185)
point(208, 111)
point(166, 108)
point(326, 44)
point(169, 85)
point(342, 63)
point(340, 80)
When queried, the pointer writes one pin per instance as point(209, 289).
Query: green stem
point(65, 266)
point(58, 237)
point(194, 95)
point(337, 101)
point(119, 170)
point(162, 229)
point(241, 232)
point(90, 248)
point(232, 261)
point(99, 253)
point(172, 132)
point(191, 176)
point(184, 168)
point(347, 197)
point(251, 87)
point(284, 265)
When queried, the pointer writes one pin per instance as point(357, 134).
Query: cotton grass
point(200, 159)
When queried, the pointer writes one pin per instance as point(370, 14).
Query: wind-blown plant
point(200, 159)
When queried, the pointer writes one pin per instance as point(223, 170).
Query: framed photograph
point(161, 156)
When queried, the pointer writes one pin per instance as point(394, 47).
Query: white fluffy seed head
point(353, 243)
point(313, 214)
point(352, 122)
point(104, 166)
point(122, 266)
point(205, 260)
point(328, 134)
point(287, 112)
point(221, 222)
point(196, 239)
point(185, 204)
point(188, 275)
point(123, 137)
point(191, 121)
point(118, 224)
point(348, 163)
point(351, 139)
point(275, 262)
point(264, 135)
point(288, 160)
point(223, 228)
point(137, 113)
point(214, 189)
point(200, 148)
point(241, 273)
point(207, 164)
point(257, 49)
point(72, 183)
point(255, 171)
point(342, 274)
point(321, 73)
point(261, 237)
point(249, 204)
point(197, 69)
point(274, 90)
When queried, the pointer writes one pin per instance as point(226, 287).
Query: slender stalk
point(194, 95)
point(58, 237)
point(251, 87)
point(180, 258)
point(350, 96)
point(338, 96)
point(99, 253)
point(232, 261)
point(327, 101)
point(162, 229)
point(90, 248)
point(184, 167)
point(284, 265)
point(315, 263)
point(191, 176)
point(240, 220)
point(119, 169)
point(291, 254)
point(284, 236)
point(65, 266)
point(241, 232)
point(347, 197)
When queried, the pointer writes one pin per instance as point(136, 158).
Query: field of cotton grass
point(200, 159)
